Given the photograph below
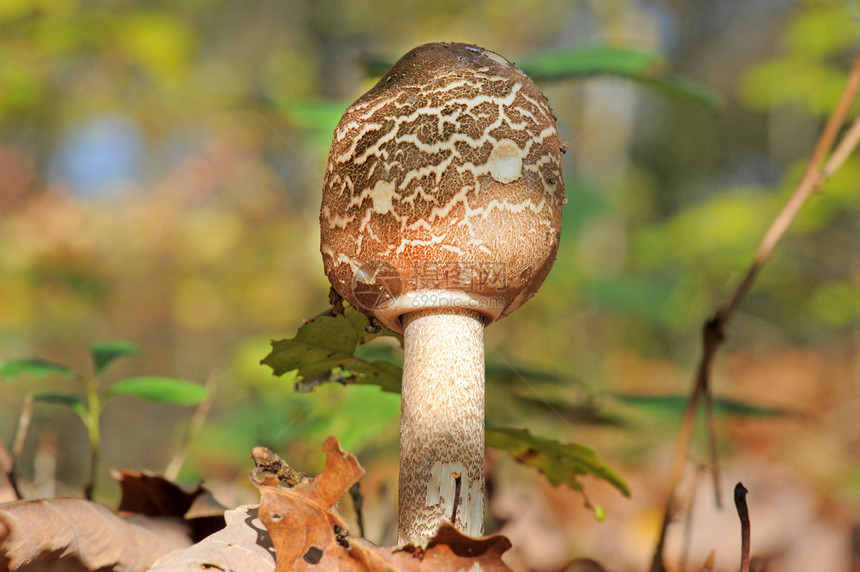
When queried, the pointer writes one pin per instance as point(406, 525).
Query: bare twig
point(811, 182)
point(23, 430)
point(194, 425)
point(688, 527)
point(743, 513)
point(843, 150)
point(8, 487)
point(358, 505)
point(711, 339)
point(715, 328)
point(21, 433)
point(709, 563)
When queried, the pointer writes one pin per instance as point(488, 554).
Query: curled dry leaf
point(242, 546)
point(267, 462)
point(301, 521)
point(36, 534)
point(151, 494)
point(308, 534)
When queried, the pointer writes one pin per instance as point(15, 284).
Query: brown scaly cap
point(444, 188)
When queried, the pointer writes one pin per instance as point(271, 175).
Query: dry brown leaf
point(451, 550)
point(242, 546)
point(300, 520)
point(151, 494)
point(35, 534)
point(309, 535)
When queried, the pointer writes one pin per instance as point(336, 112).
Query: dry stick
point(688, 528)
point(714, 328)
point(21, 433)
point(7, 465)
point(743, 513)
point(194, 425)
point(711, 341)
point(709, 563)
point(358, 506)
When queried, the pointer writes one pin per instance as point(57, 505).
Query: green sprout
point(90, 405)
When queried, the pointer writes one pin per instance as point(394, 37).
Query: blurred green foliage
point(208, 248)
point(561, 463)
point(90, 402)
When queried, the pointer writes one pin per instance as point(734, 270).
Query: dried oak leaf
point(242, 546)
point(300, 520)
point(75, 534)
point(150, 494)
point(309, 535)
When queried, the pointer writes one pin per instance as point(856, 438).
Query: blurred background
point(160, 175)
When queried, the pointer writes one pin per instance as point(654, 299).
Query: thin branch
point(8, 487)
point(358, 505)
point(811, 182)
point(843, 150)
point(711, 339)
point(709, 563)
point(688, 526)
point(714, 329)
point(743, 513)
point(23, 430)
point(194, 426)
point(712, 446)
point(24, 421)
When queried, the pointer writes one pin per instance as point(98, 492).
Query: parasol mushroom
point(441, 213)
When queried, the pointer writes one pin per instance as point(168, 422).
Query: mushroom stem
point(442, 424)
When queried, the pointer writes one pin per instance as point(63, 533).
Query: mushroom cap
point(443, 188)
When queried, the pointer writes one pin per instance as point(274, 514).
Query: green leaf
point(631, 64)
point(561, 463)
point(321, 115)
point(323, 350)
point(586, 412)
point(592, 60)
point(162, 389)
point(373, 66)
point(597, 60)
point(373, 352)
point(664, 405)
point(504, 373)
point(317, 119)
point(33, 367)
point(104, 353)
point(69, 400)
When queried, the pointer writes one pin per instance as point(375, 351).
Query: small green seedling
point(89, 407)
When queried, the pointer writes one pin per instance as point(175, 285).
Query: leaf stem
point(92, 418)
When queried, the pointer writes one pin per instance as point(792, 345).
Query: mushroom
point(441, 213)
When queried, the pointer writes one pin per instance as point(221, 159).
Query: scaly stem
point(442, 424)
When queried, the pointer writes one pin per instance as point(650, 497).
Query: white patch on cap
point(382, 194)
point(506, 162)
point(496, 58)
